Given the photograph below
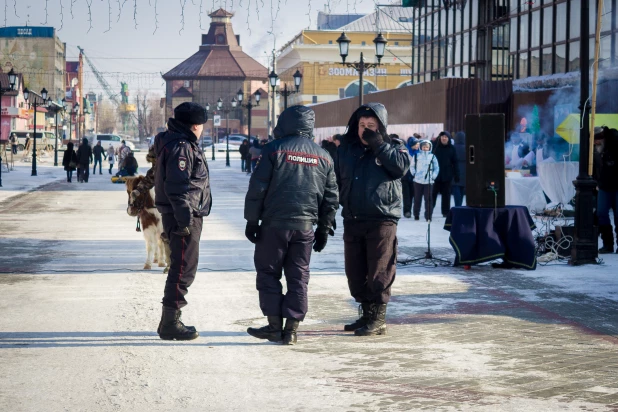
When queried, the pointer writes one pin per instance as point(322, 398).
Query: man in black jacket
point(449, 171)
point(98, 157)
point(84, 158)
point(293, 188)
point(369, 170)
point(606, 175)
point(182, 195)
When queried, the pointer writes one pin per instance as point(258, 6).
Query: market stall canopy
point(569, 128)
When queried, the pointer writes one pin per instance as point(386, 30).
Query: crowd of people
point(79, 161)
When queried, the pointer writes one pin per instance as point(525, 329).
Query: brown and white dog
point(157, 246)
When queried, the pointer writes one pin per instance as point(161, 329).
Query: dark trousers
point(248, 163)
point(407, 185)
point(443, 188)
point(94, 168)
point(185, 252)
point(422, 192)
point(458, 194)
point(370, 250)
point(14, 148)
point(69, 175)
point(83, 173)
point(243, 167)
point(111, 166)
point(288, 251)
point(253, 164)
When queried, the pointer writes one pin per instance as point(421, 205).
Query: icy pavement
point(79, 315)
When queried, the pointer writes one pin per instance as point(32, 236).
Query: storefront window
point(573, 56)
point(606, 51)
point(561, 16)
point(475, 13)
point(548, 26)
point(547, 61)
point(576, 7)
point(536, 28)
point(466, 47)
point(523, 32)
point(353, 89)
point(514, 30)
point(561, 59)
point(473, 56)
point(523, 65)
point(534, 63)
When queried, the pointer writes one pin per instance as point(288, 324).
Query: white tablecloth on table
point(525, 191)
point(557, 180)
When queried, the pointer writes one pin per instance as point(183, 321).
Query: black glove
point(456, 179)
point(373, 139)
point(321, 237)
point(252, 231)
point(334, 226)
point(182, 231)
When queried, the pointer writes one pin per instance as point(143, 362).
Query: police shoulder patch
point(182, 163)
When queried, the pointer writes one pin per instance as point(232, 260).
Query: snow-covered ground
point(79, 315)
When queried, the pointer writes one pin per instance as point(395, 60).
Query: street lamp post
point(13, 85)
point(35, 100)
point(55, 107)
point(249, 106)
point(73, 111)
point(361, 66)
point(227, 126)
point(273, 79)
point(585, 244)
point(213, 135)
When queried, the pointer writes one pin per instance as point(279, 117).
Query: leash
point(138, 228)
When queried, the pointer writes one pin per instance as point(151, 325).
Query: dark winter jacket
point(447, 159)
point(69, 156)
point(98, 152)
point(370, 180)
point(294, 185)
point(255, 150)
point(244, 150)
point(84, 154)
point(330, 147)
point(460, 151)
point(182, 184)
point(606, 162)
point(130, 164)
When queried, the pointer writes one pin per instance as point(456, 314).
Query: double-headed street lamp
point(361, 66)
point(274, 79)
point(249, 106)
point(13, 85)
point(55, 107)
point(35, 100)
point(227, 126)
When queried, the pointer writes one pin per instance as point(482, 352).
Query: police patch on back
point(302, 159)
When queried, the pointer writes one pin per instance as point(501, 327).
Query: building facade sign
point(346, 71)
point(27, 32)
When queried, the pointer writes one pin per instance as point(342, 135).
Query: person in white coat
point(425, 168)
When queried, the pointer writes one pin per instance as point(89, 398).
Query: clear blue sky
point(120, 52)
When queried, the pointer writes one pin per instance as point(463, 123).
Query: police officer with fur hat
point(182, 195)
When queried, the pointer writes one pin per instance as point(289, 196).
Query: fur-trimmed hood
point(369, 109)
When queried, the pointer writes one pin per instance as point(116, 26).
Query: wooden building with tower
point(218, 70)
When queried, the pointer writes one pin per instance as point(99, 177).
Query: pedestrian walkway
point(79, 321)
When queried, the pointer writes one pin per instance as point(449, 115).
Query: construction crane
point(127, 111)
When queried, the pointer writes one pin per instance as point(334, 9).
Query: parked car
point(205, 141)
point(113, 139)
point(235, 141)
point(21, 138)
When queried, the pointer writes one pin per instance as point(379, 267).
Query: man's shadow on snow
point(12, 340)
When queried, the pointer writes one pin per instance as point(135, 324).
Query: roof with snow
point(386, 19)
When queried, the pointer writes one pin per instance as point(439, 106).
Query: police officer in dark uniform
point(370, 165)
point(182, 195)
point(292, 189)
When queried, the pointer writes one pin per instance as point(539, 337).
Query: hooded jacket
point(606, 162)
point(425, 167)
point(294, 184)
point(370, 180)
point(447, 159)
point(69, 157)
point(84, 154)
point(182, 184)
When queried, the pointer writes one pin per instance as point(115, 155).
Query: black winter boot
point(608, 239)
point(172, 328)
point(377, 323)
point(188, 327)
point(364, 313)
point(289, 332)
point(272, 332)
